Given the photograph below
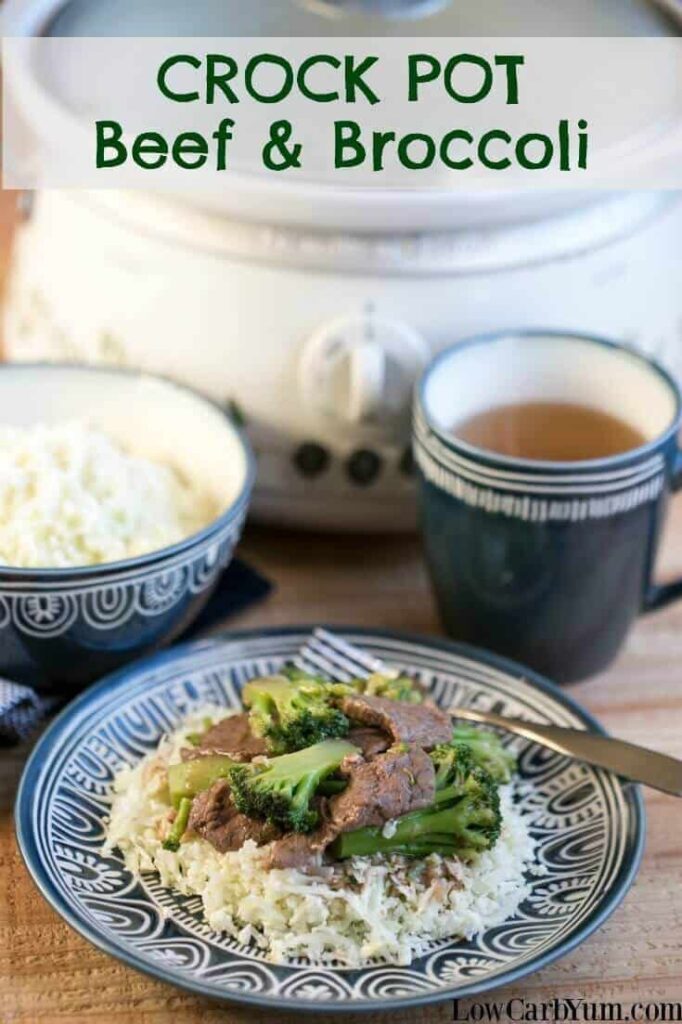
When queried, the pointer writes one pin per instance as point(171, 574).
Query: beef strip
point(388, 786)
point(231, 736)
point(303, 852)
point(369, 741)
point(215, 818)
point(423, 724)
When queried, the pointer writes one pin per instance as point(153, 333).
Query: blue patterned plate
point(588, 825)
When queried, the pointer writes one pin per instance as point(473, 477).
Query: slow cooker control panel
point(361, 467)
point(360, 370)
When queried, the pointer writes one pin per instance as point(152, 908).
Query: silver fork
point(335, 658)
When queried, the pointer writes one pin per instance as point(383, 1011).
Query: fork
point(335, 658)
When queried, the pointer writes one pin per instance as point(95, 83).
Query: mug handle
point(660, 594)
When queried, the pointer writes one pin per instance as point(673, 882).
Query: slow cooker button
point(363, 467)
point(311, 459)
point(406, 464)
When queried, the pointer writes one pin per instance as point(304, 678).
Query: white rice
point(70, 496)
point(381, 907)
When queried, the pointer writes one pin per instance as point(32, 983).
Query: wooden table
point(48, 974)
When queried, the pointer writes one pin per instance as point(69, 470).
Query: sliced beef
point(369, 741)
point(388, 786)
point(423, 724)
point(215, 818)
point(303, 852)
point(231, 736)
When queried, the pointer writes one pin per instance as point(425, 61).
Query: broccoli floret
point(463, 821)
point(280, 789)
point(486, 751)
point(392, 687)
point(291, 714)
point(401, 688)
point(453, 763)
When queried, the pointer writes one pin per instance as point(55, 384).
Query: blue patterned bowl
point(63, 628)
point(588, 827)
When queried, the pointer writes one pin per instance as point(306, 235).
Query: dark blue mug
point(546, 562)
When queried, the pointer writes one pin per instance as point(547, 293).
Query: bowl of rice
point(122, 498)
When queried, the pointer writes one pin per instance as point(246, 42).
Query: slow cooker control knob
point(361, 369)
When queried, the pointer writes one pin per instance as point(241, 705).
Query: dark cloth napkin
point(22, 709)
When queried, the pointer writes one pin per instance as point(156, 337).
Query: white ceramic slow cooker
point(311, 313)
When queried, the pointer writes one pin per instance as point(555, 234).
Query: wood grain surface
point(49, 974)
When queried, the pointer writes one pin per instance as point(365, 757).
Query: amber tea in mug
point(549, 431)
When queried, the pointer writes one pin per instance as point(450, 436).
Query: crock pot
point(309, 311)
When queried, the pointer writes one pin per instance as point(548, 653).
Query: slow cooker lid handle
point(381, 8)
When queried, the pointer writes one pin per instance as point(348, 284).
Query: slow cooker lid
point(311, 199)
point(362, 18)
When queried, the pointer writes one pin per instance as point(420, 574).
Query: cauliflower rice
point(381, 907)
point(69, 496)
